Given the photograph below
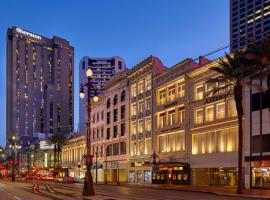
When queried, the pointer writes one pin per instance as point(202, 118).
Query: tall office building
point(103, 70)
point(39, 84)
point(249, 21)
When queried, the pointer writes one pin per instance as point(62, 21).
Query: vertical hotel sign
point(26, 33)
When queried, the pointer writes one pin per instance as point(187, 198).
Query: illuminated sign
point(28, 34)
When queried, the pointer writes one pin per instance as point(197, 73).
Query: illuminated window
point(181, 115)
point(148, 104)
point(140, 147)
point(172, 142)
point(171, 93)
point(232, 108)
point(147, 146)
point(162, 120)
point(171, 117)
point(133, 149)
point(133, 91)
point(162, 97)
point(140, 87)
point(133, 109)
point(133, 128)
point(199, 116)
point(140, 107)
point(210, 89)
point(148, 124)
point(209, 113)
point(181, 90)
point(140, 126)
point(220, 111)
point(148, 83)
point(199, 92)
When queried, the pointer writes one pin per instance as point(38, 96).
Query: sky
point(133, 29)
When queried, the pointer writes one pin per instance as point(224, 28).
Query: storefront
point(140, 172)
point(111, 170)
point(214, 176)
point(171, 173)
point(260, 174)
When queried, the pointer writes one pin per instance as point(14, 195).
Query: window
point(97, 117)
point(148, 104)
point(133, 128)
point(123, 148)
point(220, 111)
point(181, 90)
point(102, 115)
point(181, 115)
point(148, 83)
point(162, 97)
point(140, 87)
point(116, 149)
point(108, 133)
point(115, 115)
point(94, 119)
point(140, 126)
point(123, 112)
point(172, 142)
point(140, 147)
point(147, 146)
point(171, 117)
point(133, 109)
point(108, 117)
point(115, 131)
point(162, 120)
point(199, 92)
point(115, 100)
point(224, 140)
point(232, 108)
point(123, 129)
point(109, 150)
point(210, 87)
point(209, 113)
point(108, 103)
point(148, 124)
point(199, 116)
point(140, 107)
point(171, 93)
point(123, 95)
point(133, 91)
point(133, 149)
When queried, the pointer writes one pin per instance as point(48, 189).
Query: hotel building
point(103, 69)
point(39, 85)
point(141, 100)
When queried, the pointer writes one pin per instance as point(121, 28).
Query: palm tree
point(233, 71)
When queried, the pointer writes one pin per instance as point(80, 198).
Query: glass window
point(171, 117)
point(220, 111)
point(140, 144)
point(133, 109)
point(171, 93)
point(181, 115)
point(123, 95)
point(140, 107)
point(172, 142)
point(210, 142)
point(115, 100)
point(133, 148)
point(221, 141)
point(209, 113)
point(148, 83)
point(232, 139)
point(140, 87)
point(148, 104)
point(162, 97)
point(199, 116)
point(210, 89)
point(148, 124)
point(162, 144)
point(199, 92)
point(133, 90)
point(140, 126)
point(162, 120)
point(180, 141)
point(198, 144)
point(232, 108)
point(133, 128)
point(147, 146)
point(181, 90)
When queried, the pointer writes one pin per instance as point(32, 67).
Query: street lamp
point(88, 189)
point(14, 147)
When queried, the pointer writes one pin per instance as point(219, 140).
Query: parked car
point(68, 179)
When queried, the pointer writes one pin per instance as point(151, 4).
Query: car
point(58, 179)
point(29, 177)
point(68, 179)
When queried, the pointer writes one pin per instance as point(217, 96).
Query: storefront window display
point(147, 176)
point(132, 177)
point(260, 174)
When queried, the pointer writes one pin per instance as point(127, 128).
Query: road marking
point(17, 198)
point(49, 188)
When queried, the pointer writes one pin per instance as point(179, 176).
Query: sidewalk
point(218, 190)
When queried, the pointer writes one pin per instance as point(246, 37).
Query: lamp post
point(13, 146)
point(88, 189)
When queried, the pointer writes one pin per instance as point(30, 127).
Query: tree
point(233, 72)
point(29, 152)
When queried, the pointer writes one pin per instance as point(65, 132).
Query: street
point(41, 190)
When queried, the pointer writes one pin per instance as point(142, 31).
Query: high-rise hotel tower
point(39, 85)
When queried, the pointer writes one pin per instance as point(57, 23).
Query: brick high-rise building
point(39, 84)
point(249, 21)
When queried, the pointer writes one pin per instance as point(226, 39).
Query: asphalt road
point(38, 190)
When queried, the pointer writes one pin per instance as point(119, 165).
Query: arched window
point(123, 95)
point(115, 99)
point(109, 103)
point(109, 150)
